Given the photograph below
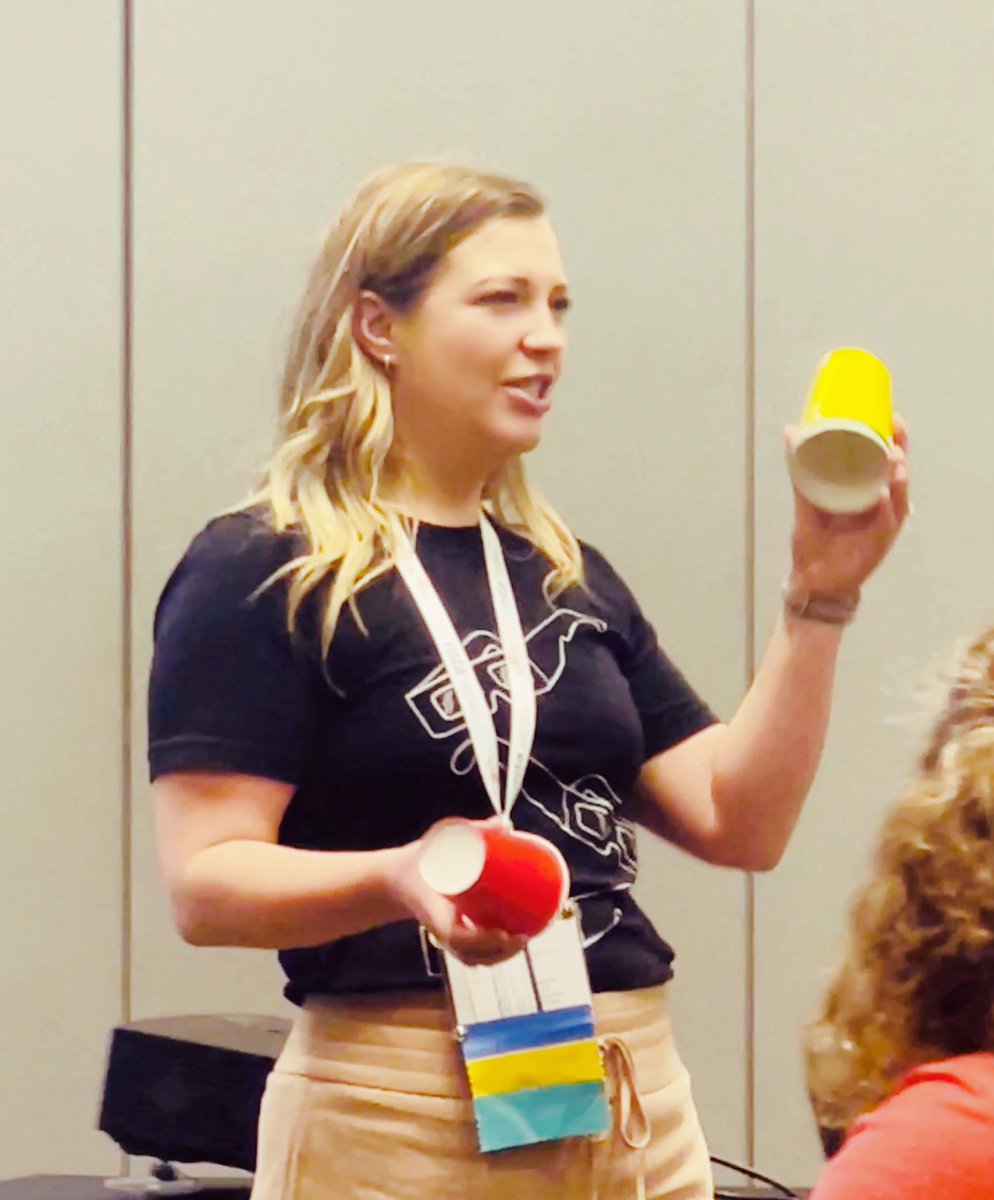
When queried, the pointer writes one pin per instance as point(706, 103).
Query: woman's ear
point(372, 328)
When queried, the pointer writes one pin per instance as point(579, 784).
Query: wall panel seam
point(750, 542)
point(127, 275)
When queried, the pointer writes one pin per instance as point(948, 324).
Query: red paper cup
point(497, 877)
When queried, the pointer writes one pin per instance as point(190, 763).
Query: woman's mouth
point(531, 392)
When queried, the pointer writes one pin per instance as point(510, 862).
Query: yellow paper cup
point(841, 459)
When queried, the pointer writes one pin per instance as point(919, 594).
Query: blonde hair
point(916, 983)
point(325, 478)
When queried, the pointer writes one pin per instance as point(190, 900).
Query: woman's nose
point(546, 334)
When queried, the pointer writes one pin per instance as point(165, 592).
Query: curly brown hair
point(916, 982)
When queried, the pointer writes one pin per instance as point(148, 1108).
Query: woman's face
point(477, 359)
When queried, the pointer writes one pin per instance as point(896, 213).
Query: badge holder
point(526, 1027)
point(526, 1030)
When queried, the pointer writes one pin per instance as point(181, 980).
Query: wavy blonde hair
point(325, 478)
point(916, 983)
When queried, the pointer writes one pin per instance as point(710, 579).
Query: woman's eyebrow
point(518, 281)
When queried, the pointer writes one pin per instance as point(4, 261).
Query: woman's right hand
point(443, 921)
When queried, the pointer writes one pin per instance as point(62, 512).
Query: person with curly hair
point(900, 1061)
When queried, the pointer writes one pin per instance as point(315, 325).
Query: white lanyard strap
point(519, 680)
point(462, 676)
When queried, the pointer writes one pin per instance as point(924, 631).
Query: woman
point(902, 1054)
point(304, 736)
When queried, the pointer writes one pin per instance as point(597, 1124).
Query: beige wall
point(697, 327)
point(61, 696)
point(874, 190)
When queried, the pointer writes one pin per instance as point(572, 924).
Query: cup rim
point(830, 496)
point(443, 829)
point(840, 425)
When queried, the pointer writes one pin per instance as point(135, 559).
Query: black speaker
point(188, 1089)
point(97, 1187)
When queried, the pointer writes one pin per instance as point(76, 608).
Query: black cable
point(751, 1174)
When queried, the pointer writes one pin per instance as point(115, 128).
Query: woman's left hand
point(832, 553)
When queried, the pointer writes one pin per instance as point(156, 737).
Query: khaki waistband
point(405, 1042)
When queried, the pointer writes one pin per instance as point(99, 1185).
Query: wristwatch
point(812, 606)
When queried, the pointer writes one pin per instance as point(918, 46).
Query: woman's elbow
point(757, 856)
point(192, 919)
point(191, 928)
point(762, 860)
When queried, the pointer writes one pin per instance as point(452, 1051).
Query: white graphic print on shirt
point(585, 808)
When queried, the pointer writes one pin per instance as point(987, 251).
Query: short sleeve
point(231, 689)
point(670, 709)
point(931, 1140)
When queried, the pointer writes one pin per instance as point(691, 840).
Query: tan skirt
point(369, 1101)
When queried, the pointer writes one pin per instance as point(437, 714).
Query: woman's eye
point(562, 306)
point(500, 298)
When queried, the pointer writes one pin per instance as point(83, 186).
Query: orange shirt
point(932, 1139)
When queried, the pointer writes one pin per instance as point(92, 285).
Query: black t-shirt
point(373, 740)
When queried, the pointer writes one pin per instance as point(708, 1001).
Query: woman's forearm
point(766, 760)
point(256, 894)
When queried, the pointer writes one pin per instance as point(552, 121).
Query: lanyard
point(473, 703)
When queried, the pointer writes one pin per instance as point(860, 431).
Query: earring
point(387, 362)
